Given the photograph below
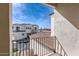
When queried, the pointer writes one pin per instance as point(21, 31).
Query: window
point(22, 34)
point(17, 28)
point(27, 27)
point(12, 27)
point(35, 28)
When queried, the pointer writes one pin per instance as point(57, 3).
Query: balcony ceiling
point(69, 10)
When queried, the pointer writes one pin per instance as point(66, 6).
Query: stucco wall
point(19, 35)
point(70, 11)
point(66, 33)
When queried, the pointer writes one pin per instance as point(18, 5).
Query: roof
point(26, 24)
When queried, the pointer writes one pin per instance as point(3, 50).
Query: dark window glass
point(17, 28)
point(12, 27)
point(35, 28)
point(22, 34)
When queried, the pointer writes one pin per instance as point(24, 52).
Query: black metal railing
point(20, 47)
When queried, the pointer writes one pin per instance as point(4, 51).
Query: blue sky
point(32, 13)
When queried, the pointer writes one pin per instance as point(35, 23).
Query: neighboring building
point(20, 31)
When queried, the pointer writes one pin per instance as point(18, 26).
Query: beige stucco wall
point(66, 33)
point(70, 11)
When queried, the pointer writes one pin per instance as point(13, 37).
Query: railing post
point(61, 50)
point(16, 48)
point(12, 48)
point(23, 47)
point(55, 46)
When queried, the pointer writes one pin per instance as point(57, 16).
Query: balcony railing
point(40, 46)
point(20, 46)
point(58, 48)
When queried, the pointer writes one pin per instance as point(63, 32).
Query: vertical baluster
point(42, 47)
point(12, 48)
point(45, 43)
point(61, 51)
point(16, 47)
point(23, 47)
point(20, 48)
point(38, 46)
point(26, 48)
point(48, 43)
point(46, 51)
point(31, 43)
point(57, 47)
point(29, 47)
point(64, 53)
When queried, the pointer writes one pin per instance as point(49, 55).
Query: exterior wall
point(19, 35)
point(18, 25)
point(24, 27)
point(70, 11)
point(66, 33)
